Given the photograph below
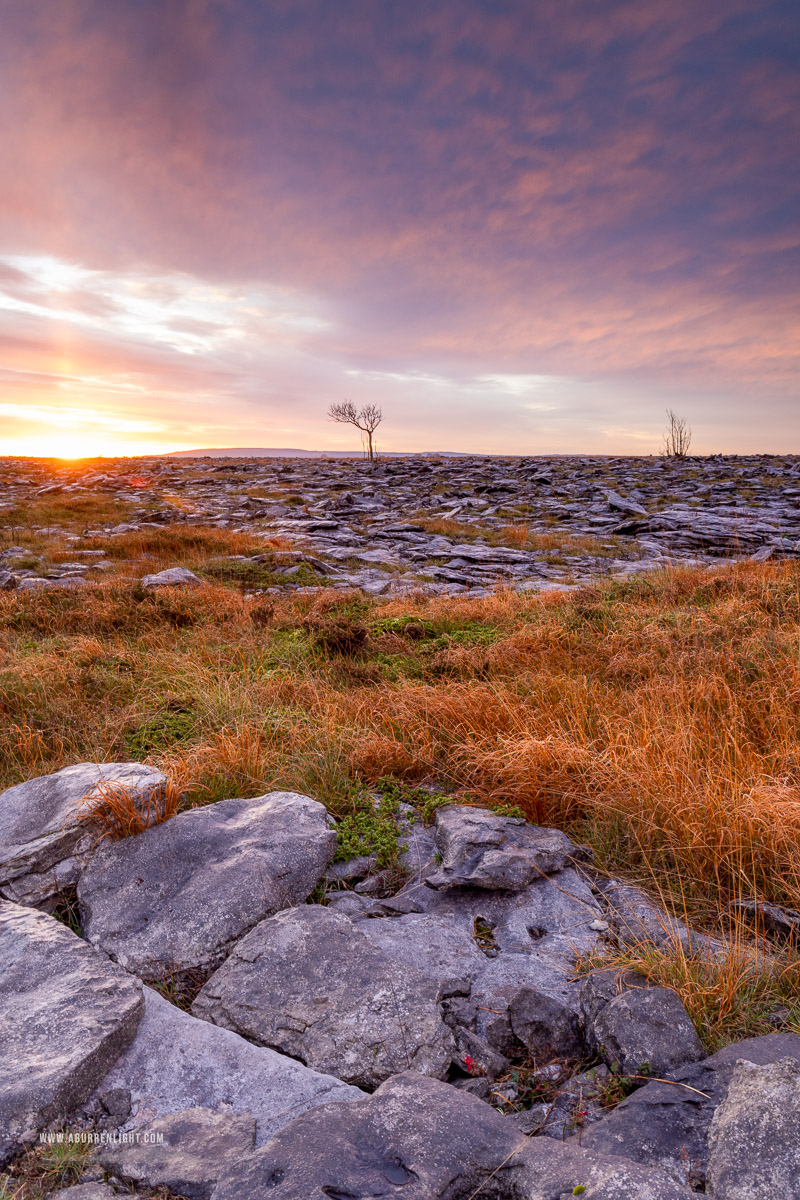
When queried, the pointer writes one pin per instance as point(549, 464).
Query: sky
point(518, 226)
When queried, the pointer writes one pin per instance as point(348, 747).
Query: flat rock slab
point(172, 577)
point(480, 849)
point(307, 983)
point(66, 1014)
point(178, 1062)
point(424, 1140)
point(667, 1125)
point(178, 896)
point(186, 1151)
point(43, 844)
point(754, 1140)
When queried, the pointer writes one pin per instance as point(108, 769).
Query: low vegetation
point(46, 1168)
point(655, 719)
point(745, 989)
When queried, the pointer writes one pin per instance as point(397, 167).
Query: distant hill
point(272, 452)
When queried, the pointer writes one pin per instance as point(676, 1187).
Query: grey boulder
point(547, 1027)
point(667, 1124)
point(66, 1014)
point(176, 897)
point(424, 1140)
point(480, 849)
point(43, 844)
point(177, 1062)
point(185, 1151)
point(754, 1139)
point(172, 577)
point(642, 1029)
point(307, 983)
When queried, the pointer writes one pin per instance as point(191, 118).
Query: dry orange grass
point(114, 811)
point(656, 719)
point(730, 993)
point(175, 545)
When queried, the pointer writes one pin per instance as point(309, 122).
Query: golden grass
point(72, 512)
point(521, 536)
point(115, 811)
point(656, 719)
point(743, 990)
point(142, 551)
point(175, 545)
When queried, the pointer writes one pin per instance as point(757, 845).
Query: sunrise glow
point(520, 229)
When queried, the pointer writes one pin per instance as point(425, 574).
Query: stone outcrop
point(66, 1014)
point(178, 896)
point(44, 844)
point(307, 983)
point(458, 989)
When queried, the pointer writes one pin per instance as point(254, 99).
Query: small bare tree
point(678, 437)
point(367, 419)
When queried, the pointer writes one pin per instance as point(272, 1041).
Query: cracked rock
point(307, 983)
point(176, 897)
point(43, 844)
point(66, 1014)
point(481, 849)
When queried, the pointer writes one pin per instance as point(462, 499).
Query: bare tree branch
point(367, 419)
point(678, 437)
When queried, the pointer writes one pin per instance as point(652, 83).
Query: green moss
point(254, 576)
point(371, 829)
point(173, 724)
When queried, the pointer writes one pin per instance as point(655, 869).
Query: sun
point(69, 446)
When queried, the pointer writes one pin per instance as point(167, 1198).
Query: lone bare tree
point(367, 419)
point(678, 437)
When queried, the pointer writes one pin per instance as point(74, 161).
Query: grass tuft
point(114, 811)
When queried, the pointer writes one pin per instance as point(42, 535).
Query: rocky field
point(443, 525)
point(231, 1014)
point(427, 829)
